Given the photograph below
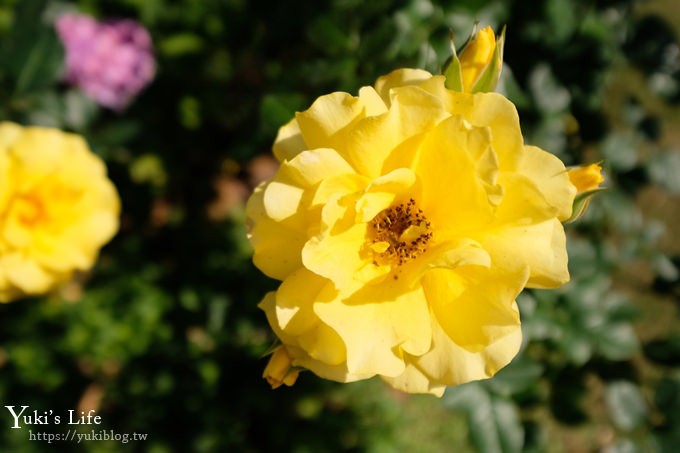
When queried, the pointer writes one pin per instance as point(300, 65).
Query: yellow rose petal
point(372, 100)
point(414, 380)
point(490, 110)
point(474, 306)
point(541, 248)
point(393, 319)
point(290, 312)
point(293, 308)
point(369, 144)
point(329, 115)
point(399, 78)
point(276, 246)
point(447, 363)
point(26, 274)
point(337, 256)
point(549, 172)
point(457, 161)
point(289, 142)
point(523, 202)
point(309, 168)
point(334, 187)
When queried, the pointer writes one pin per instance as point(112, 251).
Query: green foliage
point(494, 421)
point(626, 405)
point(164, 336)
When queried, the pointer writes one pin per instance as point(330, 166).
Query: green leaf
point(508, 425)
point(118, 321)
point(625, 404)
point(619, 210)
point(327, 33)
point(583, 257)
point(79, 110)
point(47, 110)
point(623, 446)
point(511, 89)
point(494, 422)
point(518, 377)
point(189, 112)
point(34, 53)
point(665, 351)
point(667, 399)
point(620, 151)
point(42, 65)
point(663, 168)
point(148, 168)
point(181, 44)
point(277, 109)
point(576, 346)
point(549, 96)
point(617, 341)
point(664, 267)
point(116, 134)
point(562, 20)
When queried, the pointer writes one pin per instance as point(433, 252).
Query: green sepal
point(452, 70)
point(473, 33)
point(270, 350)
point(489, 79)
point(581, 202)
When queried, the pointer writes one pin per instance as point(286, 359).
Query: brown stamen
point(399, 234)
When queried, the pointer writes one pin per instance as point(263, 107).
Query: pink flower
point(110, 61)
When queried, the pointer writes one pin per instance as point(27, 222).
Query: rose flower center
point(31, 210)
point(399, 234)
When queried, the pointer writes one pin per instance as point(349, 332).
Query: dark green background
point(164, 335)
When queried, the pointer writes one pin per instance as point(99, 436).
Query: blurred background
point(164, 337)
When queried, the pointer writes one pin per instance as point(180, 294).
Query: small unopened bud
point(477, 67)
point(280, 370)
point(587, 180)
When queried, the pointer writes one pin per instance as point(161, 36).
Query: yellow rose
point(403, 223)
point(57, 208)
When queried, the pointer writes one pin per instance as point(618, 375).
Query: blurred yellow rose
point(57, 208)
point(403, 223)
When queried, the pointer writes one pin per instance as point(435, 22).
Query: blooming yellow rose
point(403, 223)
point(57, 208)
